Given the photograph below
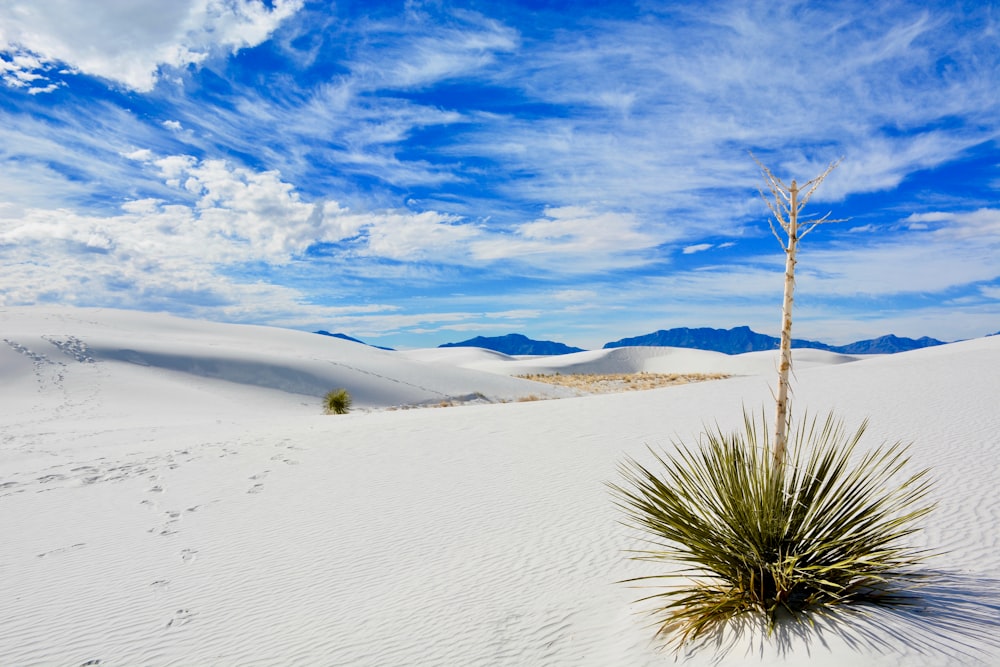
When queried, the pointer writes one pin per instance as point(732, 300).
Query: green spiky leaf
point(825, 528)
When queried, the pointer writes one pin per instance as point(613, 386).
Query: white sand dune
point(171, 495)
point(283, 365)
point(626, 360)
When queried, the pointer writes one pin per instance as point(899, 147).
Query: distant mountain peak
point(516, 344)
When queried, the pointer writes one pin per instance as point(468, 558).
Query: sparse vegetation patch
point(606, 383)
point(337, 402)
point(827, 528)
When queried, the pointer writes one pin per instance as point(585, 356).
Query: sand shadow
point(952, 615)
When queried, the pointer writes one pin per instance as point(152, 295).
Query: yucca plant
point(337, 402)
point(826, 528)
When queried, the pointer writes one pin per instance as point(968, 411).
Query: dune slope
point(163, 514)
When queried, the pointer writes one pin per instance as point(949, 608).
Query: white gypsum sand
point(171, 494)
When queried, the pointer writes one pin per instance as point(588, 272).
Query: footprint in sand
point(258, 487)
point(287, 444)
point(168, 527)
point(160, 583)
point(73, 347)
point(181, 617)
point(78, 545)
point(188, 555)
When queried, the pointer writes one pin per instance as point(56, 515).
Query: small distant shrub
point(337, 402)
point(821, 530)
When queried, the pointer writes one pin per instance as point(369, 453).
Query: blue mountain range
point(730, 341)
point(742, 339)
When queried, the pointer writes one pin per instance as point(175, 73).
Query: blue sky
point(414, 173)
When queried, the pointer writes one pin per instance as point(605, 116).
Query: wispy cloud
point(572, 239)
point(697, 247)
point(420, 48)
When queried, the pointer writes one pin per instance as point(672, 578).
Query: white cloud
point(862, 229)
point(572, 239)
point(127, 42)
point(419, 237)
point(139, 155)
point(154, 251)
point(870, 93)
point(915, 264)
point(574, 296)
point(983, 223)
point(932, 216)
point(689, 112)
point(35, 90)
point(224, 217)
point(21, 69)
point(697, 247)
point(190, 249)
point(427, 50)
point(260, 216)
point(908, 266)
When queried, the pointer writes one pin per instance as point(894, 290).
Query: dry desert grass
point(597, 383)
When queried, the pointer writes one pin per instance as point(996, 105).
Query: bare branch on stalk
point(786, 203)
